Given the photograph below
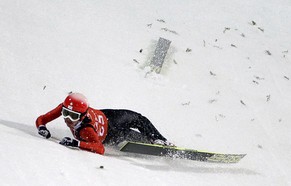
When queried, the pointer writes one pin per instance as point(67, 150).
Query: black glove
point(69, 142)
point(42, 130)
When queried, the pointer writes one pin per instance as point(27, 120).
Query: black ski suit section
point(120, 125)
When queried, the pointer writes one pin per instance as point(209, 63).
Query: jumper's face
point(70, 123)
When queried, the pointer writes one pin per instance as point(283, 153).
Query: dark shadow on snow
point(155, 163)
point(28, 129)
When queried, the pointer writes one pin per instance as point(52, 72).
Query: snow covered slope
point(225, 87)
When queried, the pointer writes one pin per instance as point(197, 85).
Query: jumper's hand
point(69, 142)
point(44, 132)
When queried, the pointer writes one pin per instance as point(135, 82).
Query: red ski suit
point(91, 131)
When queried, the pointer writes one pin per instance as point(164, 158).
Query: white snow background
point(225, 87)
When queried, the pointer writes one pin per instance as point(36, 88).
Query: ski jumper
point(91, 131)
point(107, 126)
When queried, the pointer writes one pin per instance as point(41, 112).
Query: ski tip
point(226, 158)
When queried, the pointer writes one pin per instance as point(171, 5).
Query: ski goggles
point(72, 115)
